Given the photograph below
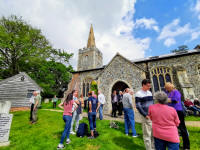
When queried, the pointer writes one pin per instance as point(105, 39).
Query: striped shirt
point(143, 100)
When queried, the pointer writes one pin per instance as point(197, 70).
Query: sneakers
point(68, 141)
point(91, 137)
point(72, 132)
point(60, 146)
point(134, 136)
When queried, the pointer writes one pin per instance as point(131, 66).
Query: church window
point(161, 75)
point(88, 88)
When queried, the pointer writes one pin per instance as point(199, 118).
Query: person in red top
point(189, 105)
point(67, 117)
point(165, 121)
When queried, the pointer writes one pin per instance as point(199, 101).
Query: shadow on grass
point(126, 143)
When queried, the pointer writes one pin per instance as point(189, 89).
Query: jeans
point(31, 112)
point(183, 129)
point(75, 117)
point(67, 120)
point(101, 112)
point(92, 120)
point(114, 109)
point(129, 120)
point(54, 104)
point(162, 145)
point(194, 109)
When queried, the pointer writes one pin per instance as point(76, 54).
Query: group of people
point(161, 117)
point(193, 106)
point(72, 106)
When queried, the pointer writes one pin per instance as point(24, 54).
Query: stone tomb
point(5, 123)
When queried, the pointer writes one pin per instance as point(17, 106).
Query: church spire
point(91, 39)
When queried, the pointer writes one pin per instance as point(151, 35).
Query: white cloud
point(172, 30)
point(66, 24)
point(147, 24)
point(169, 41)
point(195, 35)
point(196, 8)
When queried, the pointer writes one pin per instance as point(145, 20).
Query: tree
point(94, 87)
point(24, 48)
point(181, 48)
point(19, 40)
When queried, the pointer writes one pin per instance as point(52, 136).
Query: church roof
point(91, 38)
point(167, 56)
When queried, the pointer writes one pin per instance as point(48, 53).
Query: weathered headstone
point(5, 123)
point(46, 100)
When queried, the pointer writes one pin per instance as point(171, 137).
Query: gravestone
point(5, 123)
point(46, 100)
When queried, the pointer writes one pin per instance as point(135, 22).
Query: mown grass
point(45, 135)
point(50, 105)
point(192, 118)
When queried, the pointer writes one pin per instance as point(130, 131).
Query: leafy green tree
point(181, 48)
point(24, 48)
point(94, 87)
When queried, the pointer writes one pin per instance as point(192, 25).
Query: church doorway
point(119, 86)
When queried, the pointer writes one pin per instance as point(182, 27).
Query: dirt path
point(121, 118)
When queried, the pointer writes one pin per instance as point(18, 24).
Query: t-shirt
point(54, 99)
point(101, 98)
point(143, 100)
point(37, 98)
point(94, 103)
point(68, 108)
point(127, 101)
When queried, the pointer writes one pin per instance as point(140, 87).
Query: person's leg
point(31, 112)
point(112, 109)
point(115, 109)
point(77, 122)
point(147, 134)
point(193, 109)
point(94, 120)
point(69, 118)
point(73, 119)
point(126, 121)
point(66, 129)
point(91, 123)
point(101, 112)
point(172, 146)
point(159, 144)
point(132, 121)
point(183, 129)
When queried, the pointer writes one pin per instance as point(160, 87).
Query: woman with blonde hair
point(174, 100)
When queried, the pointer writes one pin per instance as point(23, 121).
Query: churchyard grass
point(50, 105)
point(192, 118)
point(47, 132)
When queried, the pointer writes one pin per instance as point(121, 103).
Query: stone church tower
point(90, 57)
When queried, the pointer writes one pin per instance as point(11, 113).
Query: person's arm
point(176, 118)
point(61, 105)
point(139, 106)
point(90, 106)
point(76, 106)
point(149, 113)
point(77, 102)
point(176, 97)
point(98, 107)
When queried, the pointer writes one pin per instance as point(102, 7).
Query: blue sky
point(133, 28)
point(164, 12)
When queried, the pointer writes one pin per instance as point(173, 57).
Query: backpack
point(82, 130)
point(96, 134)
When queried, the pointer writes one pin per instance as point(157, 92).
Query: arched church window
point(160, 75)
point(155, 83)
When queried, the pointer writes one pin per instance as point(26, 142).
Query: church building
point(180, 68)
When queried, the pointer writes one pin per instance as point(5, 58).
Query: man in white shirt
point(101, 100)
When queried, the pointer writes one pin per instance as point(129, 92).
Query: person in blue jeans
point(128, 113)
point(93, 106)
point(101, 100)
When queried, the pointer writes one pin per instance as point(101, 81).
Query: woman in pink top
point(164, 123)
point(67, 117)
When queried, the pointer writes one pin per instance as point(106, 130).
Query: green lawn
point(45, 135)
point(192, 118)
point(50, 105)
